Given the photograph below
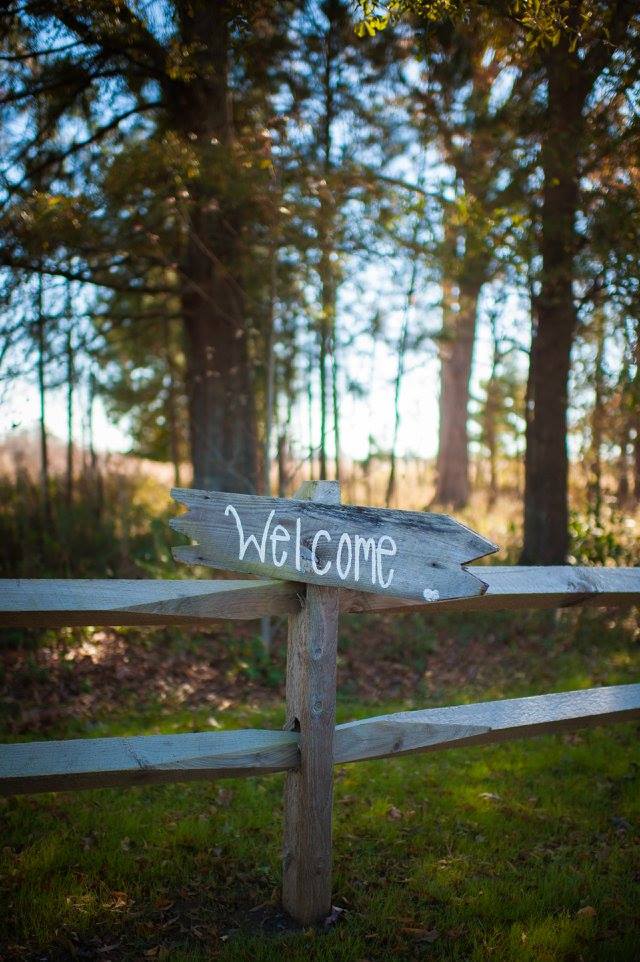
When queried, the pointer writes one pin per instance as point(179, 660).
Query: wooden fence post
point(311, 705)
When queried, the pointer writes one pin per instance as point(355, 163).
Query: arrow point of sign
point(434, 547)
point(458, 583)
point(476, 543)
point(479, 582)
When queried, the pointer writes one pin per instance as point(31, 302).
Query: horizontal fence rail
point(512, 587)
point(336, 552)
point(483, 723)
point(142, 760)
point(67, 602)
point(147, 759)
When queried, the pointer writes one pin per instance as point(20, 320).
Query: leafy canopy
point(543, 21)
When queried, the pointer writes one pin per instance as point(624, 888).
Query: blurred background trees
point(394, 244)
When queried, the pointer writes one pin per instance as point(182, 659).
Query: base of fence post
point(311, 702)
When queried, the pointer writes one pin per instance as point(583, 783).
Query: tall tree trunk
point(636, 462)
point(597, 416)
point(335, 388)
point(41, 340)
point(622, 492)
point(283, 466)
point(222, 417)
point(220, 390)
point(172, 404)
point(492, 445)
point(323, 403)
point(326, 241)
point(96, 475)
point(456, 354)
point(311, 448)
point(393, 456)
point(546, 538)
point(271, 364)
point(327, 327)
point(491, 412)
point(402, 352)
point(328, 363)
point(265, 622)
point(70, 389)
point(636, 416)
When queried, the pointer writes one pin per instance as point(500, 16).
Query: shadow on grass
point(515, 852)
point(524, 851)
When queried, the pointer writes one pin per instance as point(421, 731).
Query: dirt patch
point(84, 674)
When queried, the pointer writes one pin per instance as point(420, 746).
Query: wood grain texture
point(484, 723)
point(516, 587)
point(149, 759)
point(311, 707)
point(402, 554)
point(29, 767)
point(52, 603)
point(67, 602)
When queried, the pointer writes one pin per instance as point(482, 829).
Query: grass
point(523, 852)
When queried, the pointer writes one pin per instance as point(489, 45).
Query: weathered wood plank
point(483, 723)
point(311, 707)
point(148, 759)
point(67, 602)
point(404, 554)
point(56, 603)
point(27, 767)
point(516, 587)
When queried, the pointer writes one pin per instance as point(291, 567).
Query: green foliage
point(142, 379)
point(265, 177)
point(257, 664)
point(519, 852)
point(614, 542)
point(107, 531)
point(542, 22)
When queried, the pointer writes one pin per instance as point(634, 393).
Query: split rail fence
point(311, 743)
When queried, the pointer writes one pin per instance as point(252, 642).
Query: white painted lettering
point(387, 552)
point(352, 558)
point(243, 545)
point(368, 547)
point(345, 541)
point(298, 568)
point(279, 533)
point(314, 545)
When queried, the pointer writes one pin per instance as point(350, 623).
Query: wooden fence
point(311, 743)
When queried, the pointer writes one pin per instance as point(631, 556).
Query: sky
point(360, 417)
point(365, 363)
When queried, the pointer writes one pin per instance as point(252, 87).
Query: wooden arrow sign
point(404, 554)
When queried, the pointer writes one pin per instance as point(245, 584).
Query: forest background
point(295, 243)
point(243, 244)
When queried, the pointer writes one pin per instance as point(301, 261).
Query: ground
point(522, 851)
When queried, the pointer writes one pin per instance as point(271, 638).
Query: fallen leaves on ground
point(587, 912)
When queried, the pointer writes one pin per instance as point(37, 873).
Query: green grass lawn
point(523, 851)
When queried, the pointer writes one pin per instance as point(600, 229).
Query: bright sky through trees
point(372, 362)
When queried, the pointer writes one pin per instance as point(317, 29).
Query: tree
point(568, 48)
point(181, 104)
point(143, 376)
point(333, 96)
point(572, 67)
point(500, 412)
point(461, 108)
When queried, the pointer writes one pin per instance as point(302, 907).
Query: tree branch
point(96, 136)
point(110, 283)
